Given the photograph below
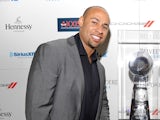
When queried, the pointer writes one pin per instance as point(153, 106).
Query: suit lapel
point(101, 76)
point(74, 54)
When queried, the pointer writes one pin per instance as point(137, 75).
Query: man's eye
point(105, 27)
point(94, 22)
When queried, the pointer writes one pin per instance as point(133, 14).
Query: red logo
point(149, 23)
point(12, 85)
point(155, 112)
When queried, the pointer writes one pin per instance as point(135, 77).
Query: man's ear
point(80, 21)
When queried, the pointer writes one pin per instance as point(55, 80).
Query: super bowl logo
point(68, 24)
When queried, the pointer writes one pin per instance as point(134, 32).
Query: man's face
point(94, 27)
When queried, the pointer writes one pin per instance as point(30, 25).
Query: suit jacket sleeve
point(42, 81)
point(105, 107)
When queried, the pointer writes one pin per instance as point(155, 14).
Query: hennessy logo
point(18, 26)
point(18, 21)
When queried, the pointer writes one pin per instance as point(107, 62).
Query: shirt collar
point(81, 49)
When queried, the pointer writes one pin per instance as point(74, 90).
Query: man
point(66, 80)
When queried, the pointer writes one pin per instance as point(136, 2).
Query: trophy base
point(139, 105)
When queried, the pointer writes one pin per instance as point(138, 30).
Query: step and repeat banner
point(25, 24)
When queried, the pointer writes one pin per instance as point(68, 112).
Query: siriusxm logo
point(21, 54)
point(68, 24)
point(105, 54)
point(102, 55)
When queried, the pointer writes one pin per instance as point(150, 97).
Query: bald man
point(66, 79)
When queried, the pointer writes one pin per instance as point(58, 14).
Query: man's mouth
point(96, 38)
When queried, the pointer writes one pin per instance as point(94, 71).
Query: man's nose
point(100, 29)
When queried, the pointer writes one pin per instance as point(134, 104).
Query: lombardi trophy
point(139, 67)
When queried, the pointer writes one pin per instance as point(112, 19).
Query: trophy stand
point(139, 68)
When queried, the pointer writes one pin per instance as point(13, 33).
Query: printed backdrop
point(24, 24)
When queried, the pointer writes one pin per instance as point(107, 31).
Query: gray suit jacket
point(55, 86)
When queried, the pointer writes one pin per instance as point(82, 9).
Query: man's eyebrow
point(95, 18)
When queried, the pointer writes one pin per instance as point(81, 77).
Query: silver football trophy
point(139, 67)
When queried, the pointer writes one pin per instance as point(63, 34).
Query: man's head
point(94, 27)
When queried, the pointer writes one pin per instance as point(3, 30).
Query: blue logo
point(105, 54)
point(21, 54)
point(68, 24)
